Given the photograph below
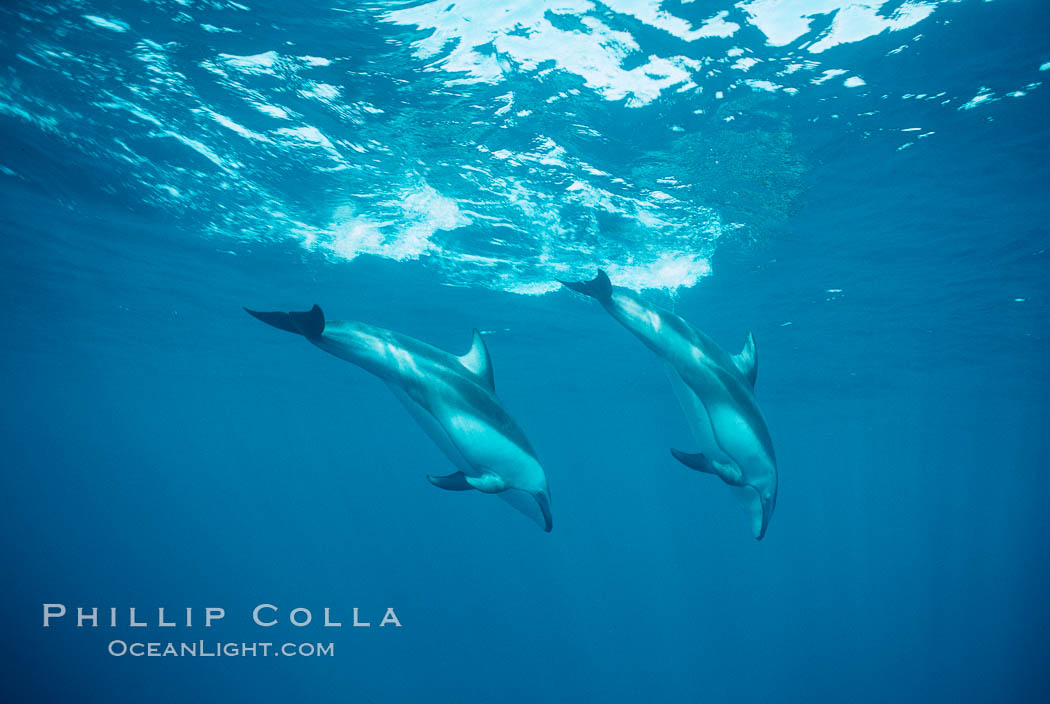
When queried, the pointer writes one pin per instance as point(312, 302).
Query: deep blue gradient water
point(882, 229)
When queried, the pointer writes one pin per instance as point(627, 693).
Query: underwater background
point(861, 185)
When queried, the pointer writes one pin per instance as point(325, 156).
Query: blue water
point(433, 168)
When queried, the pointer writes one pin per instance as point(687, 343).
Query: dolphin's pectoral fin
point(477, 361)
point(489, 483)
point(747, 360)
point(728, 473)
point(452, 482)
point(699, 461)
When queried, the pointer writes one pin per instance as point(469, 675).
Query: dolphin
point(452, 398)
point(717, 393)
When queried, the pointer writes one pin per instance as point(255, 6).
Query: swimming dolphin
point(717, 393)
point(452, 398)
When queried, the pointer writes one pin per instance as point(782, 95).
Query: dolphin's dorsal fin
point(747, 360)
point(477, 361)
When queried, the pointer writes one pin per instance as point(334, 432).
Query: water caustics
point(507, 146)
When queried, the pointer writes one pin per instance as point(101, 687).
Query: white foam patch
point(827, 75)
point(668, 272)
point(271, 110)
point(469, 39)
point(477, 41)
point(767, 86)
point(310, 136)
point(649, 12)
point(534, 288)
point(984, 96)
point(218, 30)
point(235, 127)
point(785, 21)
point(258, 64)
point(323, 91)
point(857, 22)
point(111, 25)
point(423, 212)
point(717, 26)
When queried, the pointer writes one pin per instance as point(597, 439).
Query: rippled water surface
point(505, 145)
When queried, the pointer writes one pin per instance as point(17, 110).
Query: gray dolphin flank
point(452, 398)
point(717, 393)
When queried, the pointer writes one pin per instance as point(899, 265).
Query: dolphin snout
point(768, 501)
point(544, 501)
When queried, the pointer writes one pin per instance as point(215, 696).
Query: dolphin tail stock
point(599, 287)
point(309, 323)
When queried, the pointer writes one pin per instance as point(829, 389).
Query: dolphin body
point(717, 393)
point(452, 398)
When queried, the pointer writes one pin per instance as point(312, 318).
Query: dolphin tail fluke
point(309, 323)
point(599, 287)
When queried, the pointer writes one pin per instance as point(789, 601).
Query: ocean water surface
point(862, 185)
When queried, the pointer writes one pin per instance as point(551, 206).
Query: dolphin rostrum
point(452, 398)
point(717, 393)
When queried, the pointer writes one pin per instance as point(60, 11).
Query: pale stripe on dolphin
point(452, 398)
